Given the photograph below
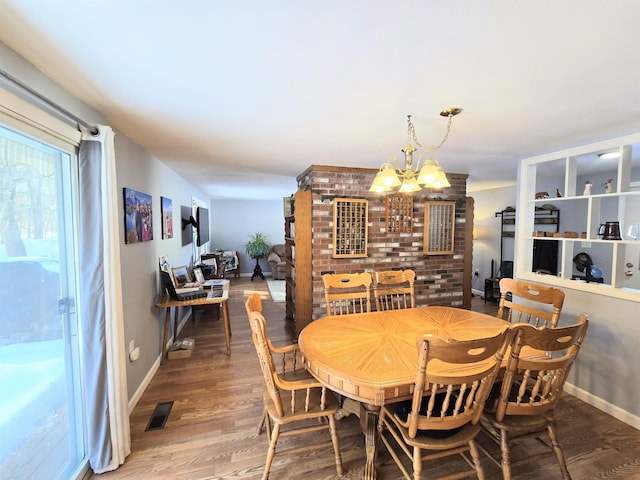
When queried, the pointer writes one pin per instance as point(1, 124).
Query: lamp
point(427, 173)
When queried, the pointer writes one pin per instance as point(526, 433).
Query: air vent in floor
point(159, 416)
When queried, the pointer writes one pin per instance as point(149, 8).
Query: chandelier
point(425, 174)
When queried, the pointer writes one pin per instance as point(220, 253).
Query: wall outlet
point(134, 354)
point(477, 272)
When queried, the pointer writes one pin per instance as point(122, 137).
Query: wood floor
point(211, 432)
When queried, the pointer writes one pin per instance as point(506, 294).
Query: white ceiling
point(240, 96)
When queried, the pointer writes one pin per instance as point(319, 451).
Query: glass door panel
point(40, 401)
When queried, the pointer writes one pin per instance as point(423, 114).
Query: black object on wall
point(202, 221)
point(188, 222)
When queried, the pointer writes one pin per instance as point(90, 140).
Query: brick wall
point(439, 278)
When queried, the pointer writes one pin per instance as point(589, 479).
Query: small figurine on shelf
point(587, 188)
point(558, 194)
point(608, 186)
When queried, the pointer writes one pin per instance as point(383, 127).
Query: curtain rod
point(92, 128)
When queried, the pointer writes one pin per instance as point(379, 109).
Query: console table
point(168, 303)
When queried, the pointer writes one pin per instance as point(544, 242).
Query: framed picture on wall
point(167, 217)
point(138, 216)
point(439, 223)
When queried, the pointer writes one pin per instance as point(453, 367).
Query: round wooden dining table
point(372, 357)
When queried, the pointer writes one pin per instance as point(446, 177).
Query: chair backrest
point(253, 303)
point(532, 384)
point(527, 302)
point(394, 289)
point(453, 381)
point(347, 292)
point(287, 361)
point(259, 337)
point(215, 260)
point(505, 270)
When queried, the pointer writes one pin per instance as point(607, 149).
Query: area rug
point(277, 290)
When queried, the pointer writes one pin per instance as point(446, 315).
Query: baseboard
point(476, 292)
point(603, 405)
point(154, 368)
point(144, 384)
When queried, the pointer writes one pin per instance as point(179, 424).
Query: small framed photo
point(288, 206)
point(180, 276)
point(197, 272)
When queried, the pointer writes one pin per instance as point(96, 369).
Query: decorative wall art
point(350, 220)
point(399, 214)
point(439, 223)
point(167, 217)
point(138, 226)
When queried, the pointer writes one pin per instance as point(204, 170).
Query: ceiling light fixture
point(609, 155)
point(425, 174)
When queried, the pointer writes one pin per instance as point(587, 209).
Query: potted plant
point(257, 247)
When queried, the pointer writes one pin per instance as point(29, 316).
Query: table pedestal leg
point(257, 270)
point(369, 423)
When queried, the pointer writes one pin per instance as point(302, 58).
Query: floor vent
point(159, 416)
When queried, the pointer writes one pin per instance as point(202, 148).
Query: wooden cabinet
point(298, 257)
point(593, 190)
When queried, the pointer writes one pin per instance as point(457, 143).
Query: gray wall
point(487, 246)
point(232, 221)
point(143, 324)
point(139, 262)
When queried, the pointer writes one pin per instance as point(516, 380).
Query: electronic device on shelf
point(584, 263)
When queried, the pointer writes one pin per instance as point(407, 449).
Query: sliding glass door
point(41, 427)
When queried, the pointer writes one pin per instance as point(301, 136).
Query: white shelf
point(567, 171)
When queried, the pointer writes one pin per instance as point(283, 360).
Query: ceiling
point(240, 96)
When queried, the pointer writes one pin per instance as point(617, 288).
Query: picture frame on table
point(180, 276)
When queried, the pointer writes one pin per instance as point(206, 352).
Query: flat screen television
point(187, 225)
point(202, 219)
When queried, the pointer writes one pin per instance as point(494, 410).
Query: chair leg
point(272, 451)
point(262, 420)
point(417, 463)
point(506, 461)
point(336, 446)
point(475, 456)
point(558, 451)
point(267, 422)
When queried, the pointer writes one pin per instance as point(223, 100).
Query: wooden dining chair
point(528, 302)
point(290, 401)
point(452, 383)
point(288, 359)
point(531, 389)
point(394, 289)
point(347, 292)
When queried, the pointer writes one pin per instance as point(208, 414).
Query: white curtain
point(109, 439)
